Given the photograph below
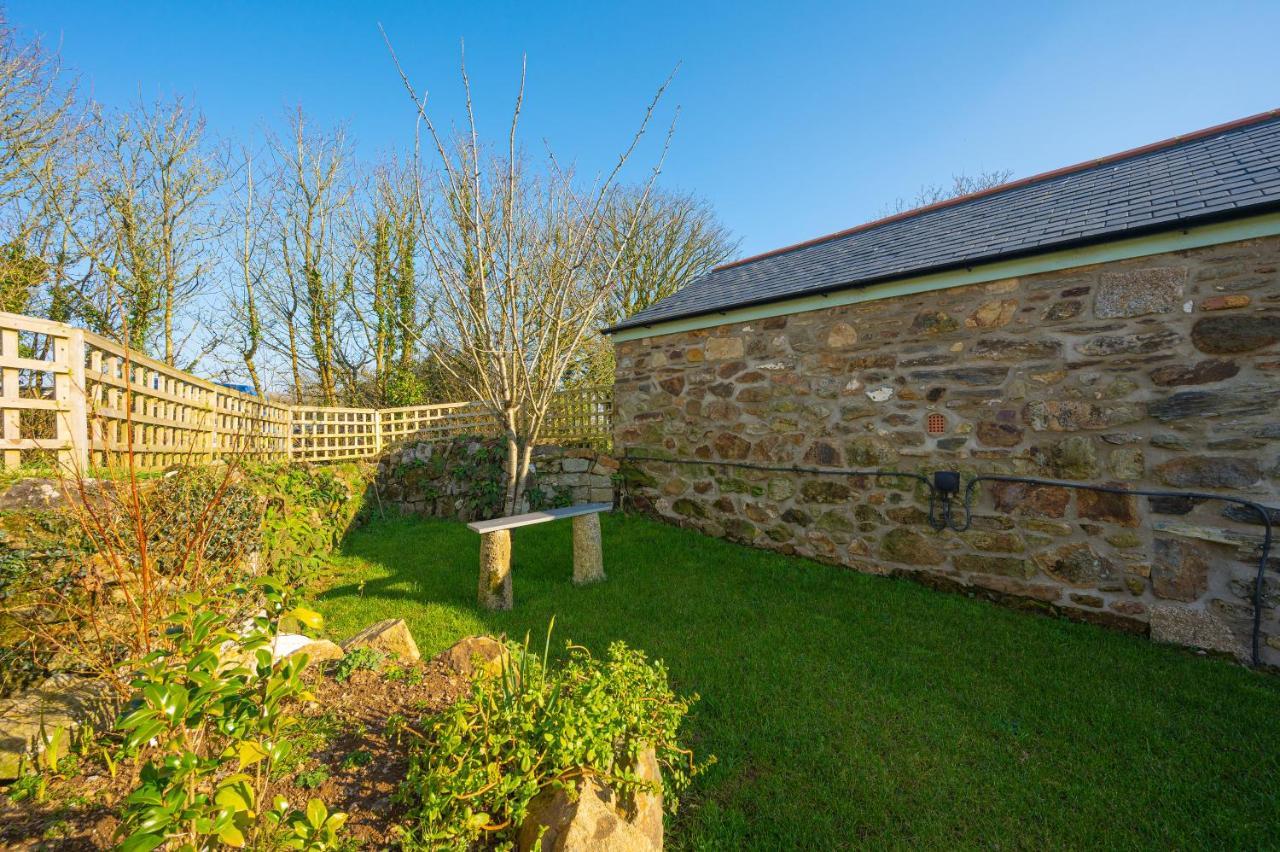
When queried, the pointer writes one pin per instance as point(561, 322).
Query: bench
point(495, 549)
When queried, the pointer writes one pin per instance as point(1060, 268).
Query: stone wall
point(1161, 372)
point(462, 479)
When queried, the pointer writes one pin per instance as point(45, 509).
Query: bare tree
point(38, 122)
point(250, 270)
point(316, 274)
point(523, 271)
point(961, 184)
point(384, 304)
point(153, 182)
point(676, 237)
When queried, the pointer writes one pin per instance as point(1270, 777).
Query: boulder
point(391, 636)
point(49, 713)
point(317, 650)
point(597, 820)
point(474, 653)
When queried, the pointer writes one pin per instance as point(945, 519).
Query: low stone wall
point(1159, 372)
point(463, 479)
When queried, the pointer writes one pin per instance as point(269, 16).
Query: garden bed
point(350, 752)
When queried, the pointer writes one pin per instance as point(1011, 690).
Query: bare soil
point(354, 742)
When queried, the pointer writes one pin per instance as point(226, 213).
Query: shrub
point(534, 726)
point(209, 721)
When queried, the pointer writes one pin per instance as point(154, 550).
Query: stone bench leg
point(588, 558)
point(495, 570)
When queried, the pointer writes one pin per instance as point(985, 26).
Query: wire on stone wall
point(946, 485)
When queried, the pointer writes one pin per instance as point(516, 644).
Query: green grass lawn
point(849, 710)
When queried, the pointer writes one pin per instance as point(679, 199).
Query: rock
point(840, 335)
point(723, 348)
point(1128, 344)
point(1180, 571)
point(570, 464)
point(597, 819)
point(995, 434)
point(1226, 335)
point(689, 508)
point(1074, 415)
point(1242, 400)
point(391, 636)
point(1079, 566)
point(1139, 292)
point(1004, 566)
point(476, 653)
point(993, 314)
point(823, 454)
point(1064, 310)
point(910, 547)
point(1200, 373)
point(869, 453)
point(731, 447)
point(319, 651)
point(1179, 625)
point(37, 494)
point(588, 553)
point(824, 490)
point(1119, 509)
point(1017, 349)
point(1045, 501)
point(933, 322)
point(1225, 303)
point(1128, 464)
point(49, 713)
point(1073, 458)
point(972, 376)
point(672, 384)
point(1209, 472)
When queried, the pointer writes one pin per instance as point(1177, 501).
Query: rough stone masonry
point(1161, 371)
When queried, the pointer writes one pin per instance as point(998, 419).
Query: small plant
point(356, 759)
point(368, 659)
point(314, 829)
point(410, 675)
point(312, 778)
point(29, 785)
point(531, 727)
point(209, 720)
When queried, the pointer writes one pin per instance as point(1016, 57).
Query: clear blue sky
point(796, 118)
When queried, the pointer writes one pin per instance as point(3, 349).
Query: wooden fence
point(73, 395)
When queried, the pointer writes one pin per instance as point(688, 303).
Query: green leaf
point(231, 835)
point(316, 813)
point(141, 842)
point(250, 753)
point(308, 617)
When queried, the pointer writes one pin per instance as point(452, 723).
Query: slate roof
point(1223, 172)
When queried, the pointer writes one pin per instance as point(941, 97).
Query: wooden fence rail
point(75, 395)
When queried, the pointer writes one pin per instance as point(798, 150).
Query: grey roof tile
point(1224, 172)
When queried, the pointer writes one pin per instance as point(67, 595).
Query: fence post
point(74, 414)
point(12, 416)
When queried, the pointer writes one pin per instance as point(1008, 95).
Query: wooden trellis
point(80, 397)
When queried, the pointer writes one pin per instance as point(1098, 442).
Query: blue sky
point(796, 118)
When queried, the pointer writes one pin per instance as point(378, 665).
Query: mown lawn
point(849, 710)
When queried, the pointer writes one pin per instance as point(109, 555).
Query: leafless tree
point(312, 196)
point(676, 237)
point(961, 184)
point(38, 120)
point(523, 271)
point(153, 183)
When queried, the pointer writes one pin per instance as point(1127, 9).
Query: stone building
point(1115, 322)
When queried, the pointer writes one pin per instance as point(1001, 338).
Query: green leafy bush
point(535, 726)
point(307, 511)
point(208, 722)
